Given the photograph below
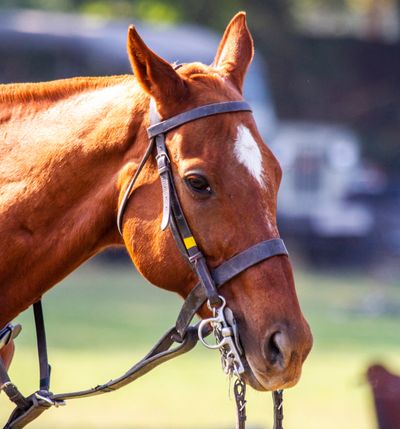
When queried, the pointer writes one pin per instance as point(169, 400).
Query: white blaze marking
point(248, 153)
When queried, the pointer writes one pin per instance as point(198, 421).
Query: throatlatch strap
point(127, 193)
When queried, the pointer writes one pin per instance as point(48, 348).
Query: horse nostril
point(273, 349)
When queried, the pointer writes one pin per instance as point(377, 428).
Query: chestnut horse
point(68, 151)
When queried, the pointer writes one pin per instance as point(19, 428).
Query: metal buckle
point(49, 400)
point(163, 161)
point(226, 337)
point(4, 385)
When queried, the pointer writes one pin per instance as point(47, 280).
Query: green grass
point(100, 321)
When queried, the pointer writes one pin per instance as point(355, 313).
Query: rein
point(182, 337)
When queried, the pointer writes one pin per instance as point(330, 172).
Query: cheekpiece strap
point(173, 215)
point(164, 172)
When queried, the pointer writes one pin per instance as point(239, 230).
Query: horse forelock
point(207, 83)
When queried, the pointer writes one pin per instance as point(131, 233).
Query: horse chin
point(263, 383)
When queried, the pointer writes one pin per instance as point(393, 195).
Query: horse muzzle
point(277, 362)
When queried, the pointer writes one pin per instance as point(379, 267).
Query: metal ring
point(218, 318)
point(202, 324)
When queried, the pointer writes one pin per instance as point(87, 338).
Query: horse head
point(227, 182)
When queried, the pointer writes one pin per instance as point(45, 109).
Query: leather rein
point(182, 337)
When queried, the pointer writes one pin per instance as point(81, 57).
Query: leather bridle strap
point(277, 397)
point(173, 213)
point(159, 354)
point(44, 367)
point(132, 182)
point(197, 113)
point(225, 272)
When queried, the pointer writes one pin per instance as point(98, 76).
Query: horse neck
point(63, 163)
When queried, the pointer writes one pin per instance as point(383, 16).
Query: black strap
point(160, 353)
point(14, 395)
point(197, 113)
point(127, 193)
point(277, 397)
point(21, 416)
point(181, 231)
point(249, 257)
point(44, 366)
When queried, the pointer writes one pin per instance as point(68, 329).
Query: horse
point(69, 149)
point(385, 387)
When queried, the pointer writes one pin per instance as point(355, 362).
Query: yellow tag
point(189, 242)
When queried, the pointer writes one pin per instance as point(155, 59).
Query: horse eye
point(198, 183)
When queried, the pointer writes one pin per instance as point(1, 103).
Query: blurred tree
point(398, 11)
point(312, 77)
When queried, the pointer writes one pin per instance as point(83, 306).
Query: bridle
point(222, 323)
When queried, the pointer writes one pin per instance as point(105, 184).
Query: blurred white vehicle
point(320, 164)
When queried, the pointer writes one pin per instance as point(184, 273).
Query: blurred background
point(325, 89)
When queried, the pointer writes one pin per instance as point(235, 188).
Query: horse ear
point(235, 50)
point(155, 75)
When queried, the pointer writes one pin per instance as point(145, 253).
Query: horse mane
point(63, 88)
point(55, 90)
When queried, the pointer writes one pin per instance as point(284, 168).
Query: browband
point(197, 113)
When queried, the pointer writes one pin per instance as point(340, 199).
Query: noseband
point(222, 324)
